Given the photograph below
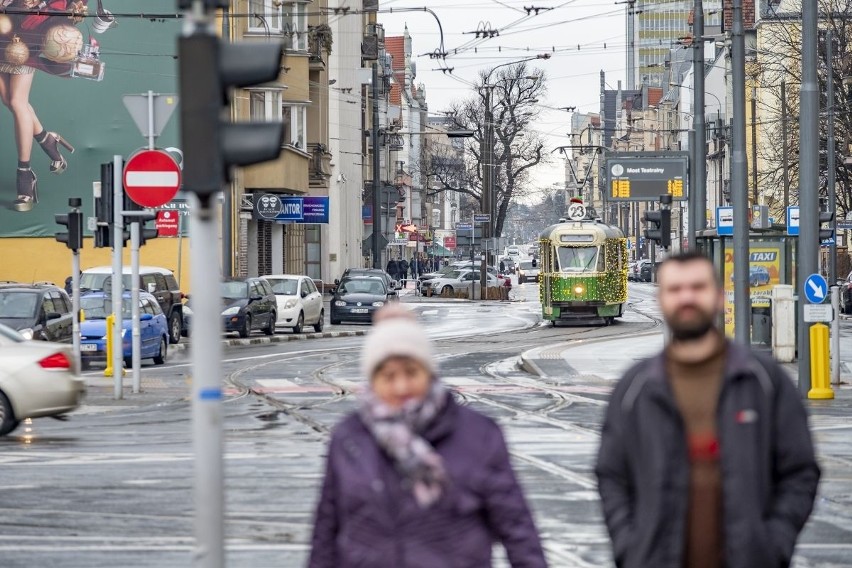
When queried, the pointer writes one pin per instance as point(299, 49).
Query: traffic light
point(660, 224)
point(144, 232)
point(209, 69)
point(73, 220)
point(825, 234)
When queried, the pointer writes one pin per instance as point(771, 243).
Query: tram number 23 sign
point(576, 211)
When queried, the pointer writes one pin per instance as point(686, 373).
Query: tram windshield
point(580, 259)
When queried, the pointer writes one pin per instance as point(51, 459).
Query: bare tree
point(780, 59)
point(517, 149)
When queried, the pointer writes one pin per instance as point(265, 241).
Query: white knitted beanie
point(396, 337)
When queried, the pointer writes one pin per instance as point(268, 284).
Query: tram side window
point(580, 259)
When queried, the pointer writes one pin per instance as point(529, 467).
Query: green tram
point(583, 272)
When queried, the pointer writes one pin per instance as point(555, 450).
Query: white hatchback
point(37, 378)
point(299, 302)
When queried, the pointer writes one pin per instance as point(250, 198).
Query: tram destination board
point(646, 176)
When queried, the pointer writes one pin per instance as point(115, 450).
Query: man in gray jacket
point(706, 460)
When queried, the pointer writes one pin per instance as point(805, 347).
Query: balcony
point(289, 171)
point(320, 165)
point(319, 45)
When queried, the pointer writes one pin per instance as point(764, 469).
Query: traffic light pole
point(134, 300)
point(117, 284)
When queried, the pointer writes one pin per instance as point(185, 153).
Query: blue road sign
point(816, 289)
point(724, 220)
point(793, 220)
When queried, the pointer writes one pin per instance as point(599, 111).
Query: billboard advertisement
point(765, 265)
point(65, 66)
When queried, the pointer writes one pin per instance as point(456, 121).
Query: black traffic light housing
point(146, 234)
point(209, 69)
point(660, 223)
point(73, 221)
point(825, 217)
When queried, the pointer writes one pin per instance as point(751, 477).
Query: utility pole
point(698, 203)
point(808, 251)
point(739, 186)
point(377, 184)
point(832, 181)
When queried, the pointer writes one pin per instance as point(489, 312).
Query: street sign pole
point(808, 250)
point(134, 301)
point(75, 306)
point(117, 281)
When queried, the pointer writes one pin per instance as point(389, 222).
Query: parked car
point(513, 250)
point(248, 304)
point(460, 280)
point(159, 282)
point(528, 270)
point(40, 312)
point(357, 299)
point(647, 269)
point(37, 378)
point(390, 283)
point(298, 300)
point(153, 328)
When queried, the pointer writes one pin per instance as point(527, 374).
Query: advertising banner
point(292, 209)
point(72, 63)
point(764, 274)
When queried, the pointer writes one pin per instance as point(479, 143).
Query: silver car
point(37, 378)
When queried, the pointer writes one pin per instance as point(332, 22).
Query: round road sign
point(151, 178)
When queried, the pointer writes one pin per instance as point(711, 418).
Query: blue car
point(153, 327)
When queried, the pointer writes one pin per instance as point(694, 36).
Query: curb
point(276, 339)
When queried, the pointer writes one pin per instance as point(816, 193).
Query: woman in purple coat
point(413, 480)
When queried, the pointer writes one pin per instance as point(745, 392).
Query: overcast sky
point(596, 26)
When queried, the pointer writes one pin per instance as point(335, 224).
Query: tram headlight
point(578, 289)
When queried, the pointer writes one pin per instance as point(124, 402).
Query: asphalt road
point(112, 487)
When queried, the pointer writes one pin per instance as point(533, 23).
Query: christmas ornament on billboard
point(5, 24)
point(17, 52)
point(62, 43)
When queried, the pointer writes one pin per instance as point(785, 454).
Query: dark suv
point(37, 311)
point(159, 282)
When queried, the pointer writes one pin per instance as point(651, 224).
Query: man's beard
point(693, 328)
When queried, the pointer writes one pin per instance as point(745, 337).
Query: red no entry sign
point(151, 178)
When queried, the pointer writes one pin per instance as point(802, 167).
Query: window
point(265, 17)
point(266, 288)
point(146, 307)
point(255, 290)
point(296, 26)
point(580, 259)
point(305, 289)
point(146, 280)
point(60, 303)
point(47, 304)
point(265, 105)
point(295, 120)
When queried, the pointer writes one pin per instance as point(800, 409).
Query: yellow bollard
point(110, 321)
point(820, 376)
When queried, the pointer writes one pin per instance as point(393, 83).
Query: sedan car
point(390, 283)
point(153, 328)
point(528, 270)
point(37, 311)
point(248, 304)
point(37, 378)
point(460, 280)
point(298, 300)
point(358, 298)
